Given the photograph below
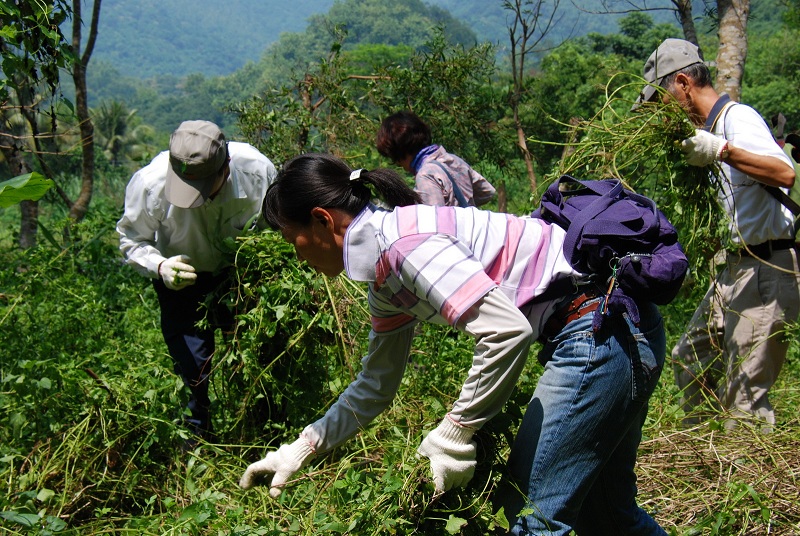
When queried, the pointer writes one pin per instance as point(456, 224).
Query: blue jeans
point(572, 463)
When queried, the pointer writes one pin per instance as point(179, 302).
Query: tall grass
point(89, 405)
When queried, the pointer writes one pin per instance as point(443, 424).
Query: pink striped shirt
point(433, 263)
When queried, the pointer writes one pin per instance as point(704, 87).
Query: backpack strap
point(713, 115)
point(608, 191)
point(786, 201)
point(462, 201)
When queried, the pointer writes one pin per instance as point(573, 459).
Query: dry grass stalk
point(741, 482)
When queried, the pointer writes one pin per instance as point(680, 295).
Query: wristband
point(724, 152)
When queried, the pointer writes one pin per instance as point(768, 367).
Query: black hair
point(402, 134)
point(699, 72)
point(323, 180)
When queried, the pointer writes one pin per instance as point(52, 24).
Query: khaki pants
point(735, 345)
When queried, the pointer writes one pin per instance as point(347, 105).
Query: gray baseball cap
point(197, 156)
point(671, 56)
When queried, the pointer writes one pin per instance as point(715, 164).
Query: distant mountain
point(574, 18)
point(145, 38)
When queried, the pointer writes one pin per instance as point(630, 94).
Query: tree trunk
point(684, 9)
point(732, 51)
point(81, 204)
point(29, 223)
point(502, 197)
point(530, 24)
point(29, 210)
point(569, 147)
point(526, 154)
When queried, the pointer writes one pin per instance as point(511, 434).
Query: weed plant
point(642, 148)
point(89, 406)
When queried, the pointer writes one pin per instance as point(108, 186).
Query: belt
point(765, 249)
point(581, 305)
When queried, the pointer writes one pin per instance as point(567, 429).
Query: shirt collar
point(361, 249)
point(422, 155)
point(231, 188)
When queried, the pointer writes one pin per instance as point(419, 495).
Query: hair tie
point(356, 174)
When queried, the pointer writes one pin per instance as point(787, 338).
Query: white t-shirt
point(755, 215)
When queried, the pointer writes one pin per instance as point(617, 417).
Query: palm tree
point(119, 133)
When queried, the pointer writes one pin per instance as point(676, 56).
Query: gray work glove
point(778, 125)
point(703, 148)
point(283, 463)
point(177, 273)
point(451, 451)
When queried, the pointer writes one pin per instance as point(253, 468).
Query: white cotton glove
point(703, 148)
point(283, 463)
point(177, 273)
point(452, 454)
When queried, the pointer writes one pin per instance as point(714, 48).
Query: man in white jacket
point(181, 212)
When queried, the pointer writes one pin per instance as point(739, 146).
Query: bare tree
point(682, 9)
point(530, 24)
point(33, 51)
point(731, 18)
point(81, 205)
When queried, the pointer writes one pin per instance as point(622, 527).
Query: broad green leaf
point(45, 495)
point(193, 511)
point(499, 519)
point(30, 187)
point(54, 524)
point(454, 524)
point(26, 520)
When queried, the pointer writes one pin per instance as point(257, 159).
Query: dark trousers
point(192, 348)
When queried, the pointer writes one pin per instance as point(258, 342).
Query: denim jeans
point(572, 463)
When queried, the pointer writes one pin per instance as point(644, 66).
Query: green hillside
point(574, 18)
point(91, 424)
point(146, 38)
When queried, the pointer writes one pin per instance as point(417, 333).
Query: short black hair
point(402, 134)
point(699, 72)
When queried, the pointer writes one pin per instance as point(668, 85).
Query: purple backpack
point(614, 232)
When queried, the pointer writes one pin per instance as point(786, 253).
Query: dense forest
point(163, 92)
point(181, 38)
point(90, 434)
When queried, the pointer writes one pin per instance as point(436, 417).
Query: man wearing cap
point(735, 344)
point(179, 211)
